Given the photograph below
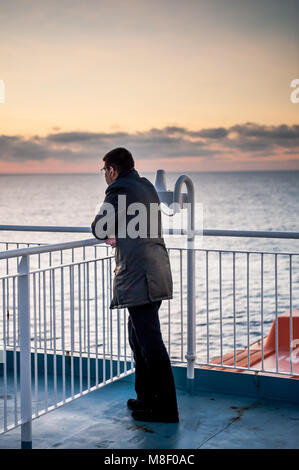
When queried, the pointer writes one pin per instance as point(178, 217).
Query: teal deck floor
point(208, 420)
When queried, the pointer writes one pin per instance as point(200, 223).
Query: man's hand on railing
point(111, 241)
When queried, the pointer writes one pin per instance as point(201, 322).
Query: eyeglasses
point(104, 168)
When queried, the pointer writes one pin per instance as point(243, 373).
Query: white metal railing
point(56, 319)
point(240, 294)
point(171, 231)
point(60, 340)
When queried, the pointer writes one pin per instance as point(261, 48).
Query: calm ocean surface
point(234, 200)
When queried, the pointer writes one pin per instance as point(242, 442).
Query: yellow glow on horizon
point(150, 69)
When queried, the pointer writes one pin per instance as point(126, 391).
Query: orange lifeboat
point(264, 358)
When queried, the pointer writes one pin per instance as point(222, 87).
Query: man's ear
point(113, 173)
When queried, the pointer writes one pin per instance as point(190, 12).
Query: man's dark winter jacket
point(142, 272)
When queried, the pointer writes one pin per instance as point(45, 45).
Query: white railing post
point(191, 310)
point(180, 198)
point(25, 355)
point(191, 340)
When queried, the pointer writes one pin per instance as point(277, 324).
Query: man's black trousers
point(154, 381)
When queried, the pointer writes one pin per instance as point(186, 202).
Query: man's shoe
point(137, 405)
point(154, 417)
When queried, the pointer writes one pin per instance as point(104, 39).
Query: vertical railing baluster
point(207, 302)
point(276, 315)
point(118, 343)
point(62, 330)
point(54, 338)
point(181, 302)
point(234, 303)
point(71, 278)
point(7, 302)
point(191, 309)
point(125, 339)
point(15, 362)
point(291, 315)
point(35, 345)
point(111, 325)
point(80, 328)
point(88, 329)
point(18, 322)
point(262, 307)
point(39, 305)
point(50, 301)
point(25, 357)
point(45, 343)
point(84, 305)
point(104, 313)
point(248, 324)
point(4, 357)
point(107, 297)
point(96, 320)
point(220, 306)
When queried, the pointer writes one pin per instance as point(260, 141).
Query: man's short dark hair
point(120, 159)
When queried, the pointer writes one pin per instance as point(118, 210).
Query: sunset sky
point(194, 85)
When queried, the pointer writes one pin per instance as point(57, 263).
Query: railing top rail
point(49, 248)
point(251, 234)
point(170, 231)
point(45, 228)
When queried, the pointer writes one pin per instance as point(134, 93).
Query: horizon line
point(153, 171)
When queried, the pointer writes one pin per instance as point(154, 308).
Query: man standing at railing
point(142, 280)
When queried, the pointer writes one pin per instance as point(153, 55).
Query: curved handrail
point(49, 248)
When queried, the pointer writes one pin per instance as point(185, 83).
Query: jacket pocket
point(159, 287)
